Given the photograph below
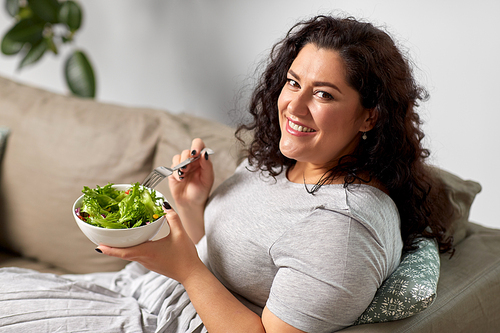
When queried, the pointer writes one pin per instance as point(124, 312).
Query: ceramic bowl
point(120, 237)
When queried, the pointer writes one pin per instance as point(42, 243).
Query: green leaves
point(71, 15)
point(110, 208)
point(80, 75)
point(46, 10)
point(34, 54)
point(45, 25)
point(11, 46)
point(26, 31)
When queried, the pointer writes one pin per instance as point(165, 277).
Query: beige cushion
point(59, 144)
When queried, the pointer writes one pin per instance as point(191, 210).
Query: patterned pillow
point(410, 289)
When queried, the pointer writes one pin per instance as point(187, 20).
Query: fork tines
point(156, 177)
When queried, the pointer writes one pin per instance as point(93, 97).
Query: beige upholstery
point(58, 145)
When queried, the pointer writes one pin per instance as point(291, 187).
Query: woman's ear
point(370, 120)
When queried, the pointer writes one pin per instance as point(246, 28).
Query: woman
point(310, 225)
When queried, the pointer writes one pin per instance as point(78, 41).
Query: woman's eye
point(324, 95)
point(292, 83)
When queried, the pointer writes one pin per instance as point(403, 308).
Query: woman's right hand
point(191, 187)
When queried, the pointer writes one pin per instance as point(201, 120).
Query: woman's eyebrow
point(316, 83)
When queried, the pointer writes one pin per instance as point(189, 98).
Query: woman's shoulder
point(369, 203)
point(368, 194)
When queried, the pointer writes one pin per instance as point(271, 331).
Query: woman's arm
point(193, 220)
point(220, 311)
point(175, 256)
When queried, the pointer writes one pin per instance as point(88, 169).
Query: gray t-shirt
point(316, 261)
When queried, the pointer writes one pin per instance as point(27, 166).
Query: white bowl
point(120, 237)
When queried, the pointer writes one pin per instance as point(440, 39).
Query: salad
point(107, 207)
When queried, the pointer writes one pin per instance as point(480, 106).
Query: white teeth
point(299, 128)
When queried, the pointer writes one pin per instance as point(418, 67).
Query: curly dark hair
point(393, 154)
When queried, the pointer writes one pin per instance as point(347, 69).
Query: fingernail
point(98, 250)
point(180, 173)
point(166, 205)
point(206, 155)
point(193, 152)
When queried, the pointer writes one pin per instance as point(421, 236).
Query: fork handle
point(192, 159)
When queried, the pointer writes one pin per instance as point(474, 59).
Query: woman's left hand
point(174, 256)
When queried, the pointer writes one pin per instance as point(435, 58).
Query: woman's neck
point(309, 174)
point(302, 173)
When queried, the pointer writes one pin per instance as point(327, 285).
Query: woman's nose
point(298, 104)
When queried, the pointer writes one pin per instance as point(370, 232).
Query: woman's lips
point(298, 129)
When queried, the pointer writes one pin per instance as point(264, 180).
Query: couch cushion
point(410, 289)
point(461, 193)
point(57, 145)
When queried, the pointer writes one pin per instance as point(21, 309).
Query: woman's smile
point(296, 128)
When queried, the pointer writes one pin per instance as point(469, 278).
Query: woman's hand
point(174, 256)
point(191, 186)
point(190, 189)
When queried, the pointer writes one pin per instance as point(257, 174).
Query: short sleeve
point(329, 268)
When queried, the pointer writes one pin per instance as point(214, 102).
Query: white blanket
point(132, 300)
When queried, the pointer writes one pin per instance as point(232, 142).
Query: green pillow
point(410, 289)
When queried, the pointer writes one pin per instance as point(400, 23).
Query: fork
point(161, 172)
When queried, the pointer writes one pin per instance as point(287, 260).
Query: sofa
point(52, 145)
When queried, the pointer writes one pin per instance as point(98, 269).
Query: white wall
point(196, 56)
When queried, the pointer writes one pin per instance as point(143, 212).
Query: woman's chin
point(290, 153)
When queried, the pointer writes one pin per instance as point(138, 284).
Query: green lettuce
point(110, 208)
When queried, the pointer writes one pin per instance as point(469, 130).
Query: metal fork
point(161, 172)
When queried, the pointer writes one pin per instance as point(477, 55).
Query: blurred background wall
point(199, 57)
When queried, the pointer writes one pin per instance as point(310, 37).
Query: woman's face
point(321, 117)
